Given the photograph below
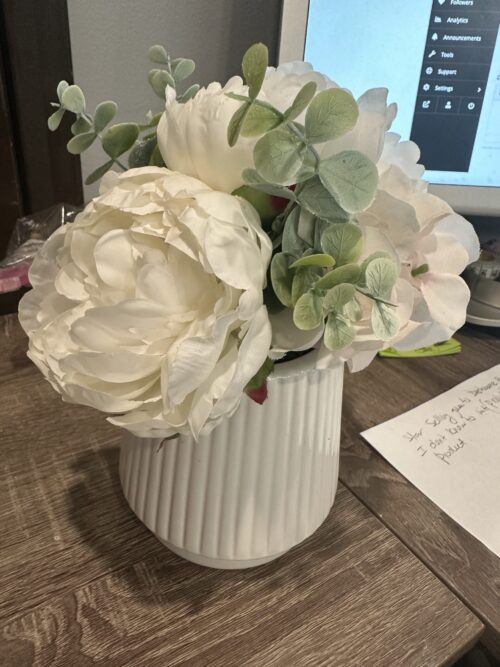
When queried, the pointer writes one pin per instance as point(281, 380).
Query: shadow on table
point(129, 552)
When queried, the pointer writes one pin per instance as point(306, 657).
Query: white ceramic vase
point(257, 485)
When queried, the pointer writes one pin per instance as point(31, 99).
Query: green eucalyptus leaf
point(73, 99)
point(81, 142)
point(385, 321)
point(344, 241)
point(380, 277)
point(104, 114)
point(99, 172)
point(183, 68)
point(374, 255)
point(119, 138)
point(81, 125)
point(302, 99)
point(159, 79)
point(61, 87)
point(306, 227)
point(252, 178)
point(271, 301)
point(158, 54)
point(339, 333)
point(304, 278)
point(351, 178)
point(282, 278)
point(322, 260)
point(332, 113)
point(236, 123)
point(319, 227)
point(259, 120)
point(314, 197)
point(55, 119)
point(353, 310)
point(291, 242)
point(189, 93)
point(141, 153)
point(308, 168)
point(337, 297)
point(239, 98)
point(348, 273)
point(254, 67)
point(153, 120)
point(261, 202)
point(278, 156)
point(308, 311)
point(156, 158)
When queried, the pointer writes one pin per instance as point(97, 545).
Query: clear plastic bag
point(32, 230)
point(29, 234)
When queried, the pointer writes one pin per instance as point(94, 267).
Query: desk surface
point(386, 389)
point(83, 582)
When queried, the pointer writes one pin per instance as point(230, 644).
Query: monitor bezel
point(467, 199)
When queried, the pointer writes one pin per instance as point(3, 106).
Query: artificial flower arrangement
point(275, 214)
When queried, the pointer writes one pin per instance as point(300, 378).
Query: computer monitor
point(440, 60)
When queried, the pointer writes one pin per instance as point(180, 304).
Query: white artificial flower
point(192, 137)
point(149, 306)
point(433, 244)
point(419, 231)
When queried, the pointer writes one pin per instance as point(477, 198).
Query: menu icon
point(456, 63)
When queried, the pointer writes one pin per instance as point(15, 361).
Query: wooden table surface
point(83, 582)
point(386, 389)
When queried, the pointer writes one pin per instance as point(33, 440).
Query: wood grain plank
point(351, 595)
point(386, 389)
point(84, 582)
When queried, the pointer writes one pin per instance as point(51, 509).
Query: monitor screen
point(440, 60)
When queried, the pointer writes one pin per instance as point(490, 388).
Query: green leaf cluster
point(316, 269)
point(137, 139)
point(286, 152)
point(323, 282)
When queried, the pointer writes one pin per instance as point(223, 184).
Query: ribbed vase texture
point(260, 483)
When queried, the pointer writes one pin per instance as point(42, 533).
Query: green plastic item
point(451, 346)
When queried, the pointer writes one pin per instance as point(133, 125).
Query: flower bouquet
point(259, 235)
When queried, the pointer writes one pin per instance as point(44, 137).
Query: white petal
point(395, 216)
point(360, 360)
point(94, 399)
point(429, 208)
point(212, 389)
point(195, 359)
point(115, 261)
point(447, 297)
point(252, 353)
point(70, 282)
point(45, 266)
point(287, 337)
point(443, 253)
point(424, 334)
point(464, 232)
point(233, 256)
point(118, 366)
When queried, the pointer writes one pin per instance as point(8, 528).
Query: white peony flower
point(149, 306)
point(192, 137)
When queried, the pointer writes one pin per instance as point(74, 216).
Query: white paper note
point(449, 448)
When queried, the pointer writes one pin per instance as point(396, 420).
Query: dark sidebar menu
point(455, 68)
